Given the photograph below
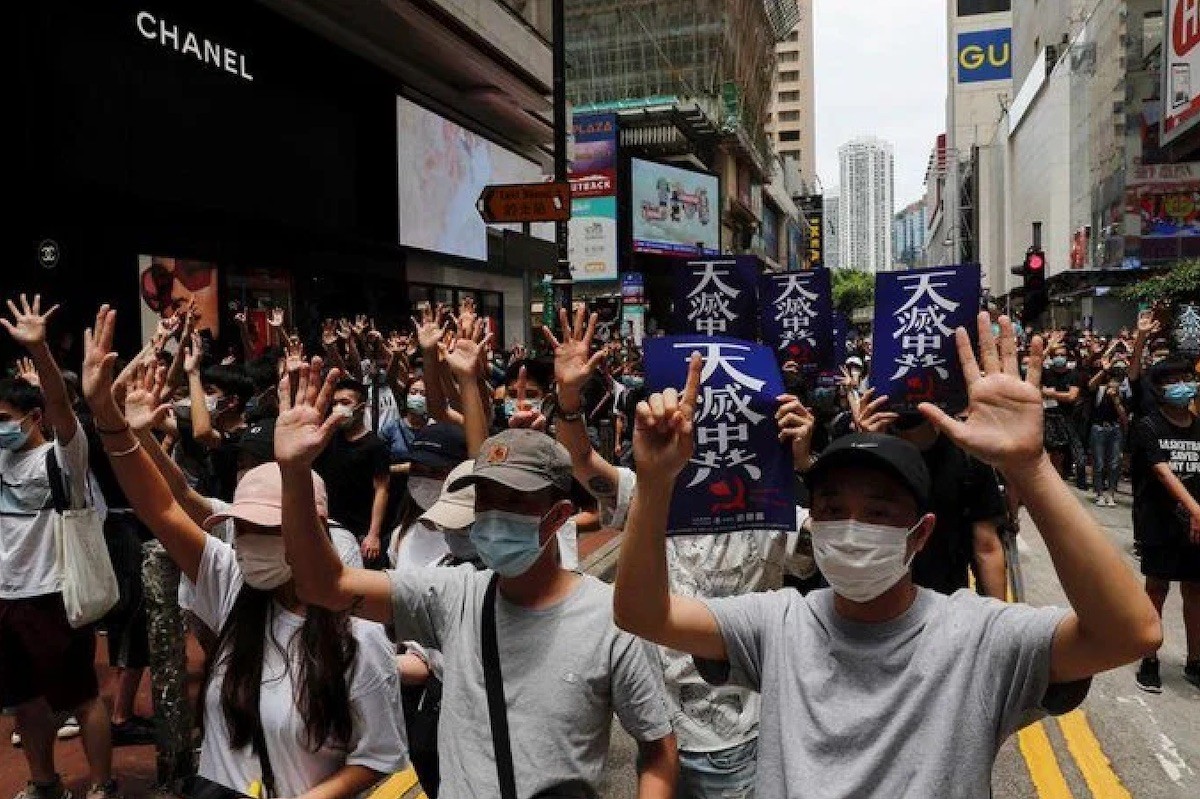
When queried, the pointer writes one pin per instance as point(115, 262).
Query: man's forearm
point(1175, 486)
point(315, 563)
point(58, 404)
point(378, 509)
point(641, 601)
point(659, 768)
point(196, 506)
point(989, 561)
point(1100, 587)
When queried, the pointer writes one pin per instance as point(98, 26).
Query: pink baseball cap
point(258, 498)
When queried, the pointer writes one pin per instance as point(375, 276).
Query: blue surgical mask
point(632, 381)
point(510, 406)
point(12, 435)
point(507, 542)
point(416, 404)
point(1059, 362)
point(1179, 394)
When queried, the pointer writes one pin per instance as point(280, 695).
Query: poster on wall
point(167, 284)
point(1180, 69)
point(592, 231)
point(442, 169)
point(1170, 214)
point(674, 210)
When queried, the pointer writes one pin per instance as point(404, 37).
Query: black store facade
point(215, 138)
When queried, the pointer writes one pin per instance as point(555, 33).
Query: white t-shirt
point(389, 408)
point(708, 718)
point(28, 553)
point(378, 742)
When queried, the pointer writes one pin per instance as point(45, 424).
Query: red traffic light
point(1036, 261)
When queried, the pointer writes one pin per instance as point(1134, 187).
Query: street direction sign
point(525, 202)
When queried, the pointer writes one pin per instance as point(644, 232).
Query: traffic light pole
point(562, 281)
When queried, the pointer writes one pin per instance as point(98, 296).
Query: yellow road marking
point(1095, 766)
point(1047, 777)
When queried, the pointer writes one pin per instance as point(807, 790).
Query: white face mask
point(424, 491)
point(860, 560)
point(262, 561)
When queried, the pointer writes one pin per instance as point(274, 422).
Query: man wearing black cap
point(1165, 451)
point(866, 685)
point(564, 668)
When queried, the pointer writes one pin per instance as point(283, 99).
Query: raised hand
point(343, 329)
point(573, 361)
point(467, 357)
point(96, 377)
point(146, 403)
point(295, 355)
point(275, 318)
point(868, 413)
point(467, 315)
point(796, 426)
point(305, 426)
point(239, 316)
point(1004, 413)
point(431, 327)
point(328, 334)
point(28, 327)
point(662, 434)
point(360, 325)
point(27, 372)
point(526, 417)
point(191, 361)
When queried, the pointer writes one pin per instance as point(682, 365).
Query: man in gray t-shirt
point(877, 687)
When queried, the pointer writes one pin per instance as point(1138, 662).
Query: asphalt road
point(1122, 743)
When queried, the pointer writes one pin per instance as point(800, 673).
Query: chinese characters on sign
point(796, 317)
point(718, 297)
point(740, 475)
point(916, 312)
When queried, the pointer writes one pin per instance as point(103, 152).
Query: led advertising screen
point(674, 210)
point(592, 236)
point(442, 169)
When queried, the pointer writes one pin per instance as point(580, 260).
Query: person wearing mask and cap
point(1164, 446)
point(875, 687)
point(299, 699)
point(356, 470)
point(563, 668)
point(435, 451)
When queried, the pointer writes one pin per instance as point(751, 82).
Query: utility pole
point(563, 282)
point(951, 197)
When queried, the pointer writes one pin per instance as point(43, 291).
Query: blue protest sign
point(740, 476)
point(841, 329)
point(796, 318)
point(718, 297)
point(914, 359)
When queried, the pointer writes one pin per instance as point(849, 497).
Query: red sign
point(525, 202)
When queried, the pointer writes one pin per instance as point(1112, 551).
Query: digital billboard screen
point(674, 209)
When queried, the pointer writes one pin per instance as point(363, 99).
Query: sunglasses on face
point(158, 280)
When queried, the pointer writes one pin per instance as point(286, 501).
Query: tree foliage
point(852, 289)
point(1180, 284)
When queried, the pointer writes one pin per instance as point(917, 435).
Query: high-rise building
point(833, 250)
point(909, 235)
point(865, 213)
point(791, 121)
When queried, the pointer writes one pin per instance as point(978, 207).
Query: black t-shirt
point(1060, 381)
point(965, 491)
point(1104, 407)
point(1158, 518)
point(349, 469)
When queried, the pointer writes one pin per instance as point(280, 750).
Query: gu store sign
point(740, 475)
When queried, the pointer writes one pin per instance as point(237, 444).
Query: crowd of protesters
point(376, 542)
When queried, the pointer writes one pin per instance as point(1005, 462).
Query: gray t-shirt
point(914, 707)
point(566, 668)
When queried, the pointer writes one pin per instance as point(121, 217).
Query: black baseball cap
point(259, 440)
point(440, 447)
point(886, 453)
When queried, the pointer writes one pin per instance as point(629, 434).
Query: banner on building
point(914, 359)
point(985, 55)
point(812, 206)
point(740, 476)
point(167, 284)
point(796, 318)
point(718, 297)
point(1181, 69)
point(592, 231)
point(675, 210)
point(633, 305)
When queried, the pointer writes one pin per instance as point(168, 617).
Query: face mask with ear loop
point(262, 560)
point(508, 543)
point(861, 561)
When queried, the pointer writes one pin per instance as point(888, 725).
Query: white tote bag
point(89, 584)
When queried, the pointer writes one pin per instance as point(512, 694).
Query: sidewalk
point(133, 766)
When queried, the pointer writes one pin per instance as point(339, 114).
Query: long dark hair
point(324, 655)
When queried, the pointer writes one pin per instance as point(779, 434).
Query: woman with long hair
point(298, 700)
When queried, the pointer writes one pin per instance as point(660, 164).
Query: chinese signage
point(740, 475)
point(1181, 69)
point(914, 359)
point(718, 297)
point(592, 232)
point(812, 206)
point(675, 211)
point(841, 330)
point(796, 317)
point(985, 55)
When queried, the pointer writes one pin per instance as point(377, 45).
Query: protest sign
point(796, 318)
point(718, 297)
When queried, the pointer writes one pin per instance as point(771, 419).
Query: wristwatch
point(570, 417)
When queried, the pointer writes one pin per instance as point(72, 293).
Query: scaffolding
point(719, 54)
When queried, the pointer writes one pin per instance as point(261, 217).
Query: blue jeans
point(726, 774)
point(1106, 457)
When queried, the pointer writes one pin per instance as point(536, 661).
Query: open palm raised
point(1004, 424)
point(305, 426)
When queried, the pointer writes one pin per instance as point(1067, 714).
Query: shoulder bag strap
point(264, 761)
point(494, 682)
point(58, 491)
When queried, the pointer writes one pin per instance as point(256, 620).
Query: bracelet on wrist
point(136, 446)
point(113, 432)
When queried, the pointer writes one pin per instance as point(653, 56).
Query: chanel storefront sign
point(210, 53)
